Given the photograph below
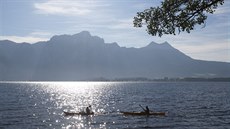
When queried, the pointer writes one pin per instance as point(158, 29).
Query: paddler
point(88, 110)
point(147, 110)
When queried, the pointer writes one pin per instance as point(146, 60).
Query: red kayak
point(77, 113)
point(144, 113)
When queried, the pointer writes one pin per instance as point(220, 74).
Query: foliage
point(175, 16)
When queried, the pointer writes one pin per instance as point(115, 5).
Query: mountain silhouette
point(86, 57)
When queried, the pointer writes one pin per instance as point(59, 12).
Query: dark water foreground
point(191, 105)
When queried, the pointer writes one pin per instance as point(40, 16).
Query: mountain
point(86, 57)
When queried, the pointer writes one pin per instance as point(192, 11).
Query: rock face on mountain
point(85, 57)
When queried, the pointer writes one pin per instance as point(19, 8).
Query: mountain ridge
point(85, 57)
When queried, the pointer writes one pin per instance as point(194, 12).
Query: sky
point(38, 20)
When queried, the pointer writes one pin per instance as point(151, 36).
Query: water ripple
point(41, 104)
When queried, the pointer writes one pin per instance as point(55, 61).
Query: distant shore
point(135, 79)
point(187, 79)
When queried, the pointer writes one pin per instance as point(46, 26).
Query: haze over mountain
point(85, 57)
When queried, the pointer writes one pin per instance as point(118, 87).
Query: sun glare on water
point(75, 97)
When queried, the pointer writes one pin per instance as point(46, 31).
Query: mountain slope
point(85, 57)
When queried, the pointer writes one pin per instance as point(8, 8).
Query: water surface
point(41, 104)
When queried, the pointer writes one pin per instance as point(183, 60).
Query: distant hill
point(85, 57)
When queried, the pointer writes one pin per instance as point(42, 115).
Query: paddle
point(141, 107)
point(145, 109)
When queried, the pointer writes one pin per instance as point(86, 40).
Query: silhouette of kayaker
point(147, 110)
point(88, 109)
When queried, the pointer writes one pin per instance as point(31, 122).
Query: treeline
point(166, 79)
point(195, 79)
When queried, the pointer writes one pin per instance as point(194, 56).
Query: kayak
point(77, 113)
point(143, 113)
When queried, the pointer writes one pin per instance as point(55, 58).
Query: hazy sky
point(36, 20)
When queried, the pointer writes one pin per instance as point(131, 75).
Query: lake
point(190, 105)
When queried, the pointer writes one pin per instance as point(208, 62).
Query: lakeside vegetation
point(167, 79)
point(136, 79)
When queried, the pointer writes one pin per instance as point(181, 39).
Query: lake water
point(190, 105)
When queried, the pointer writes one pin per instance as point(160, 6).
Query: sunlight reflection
point(75, 97)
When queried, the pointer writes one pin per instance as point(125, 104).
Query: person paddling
point(146, 110)
point(88, 110)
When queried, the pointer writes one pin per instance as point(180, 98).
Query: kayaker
point(147, 110)
point(88, 109)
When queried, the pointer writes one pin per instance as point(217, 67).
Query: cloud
point(33, 37)
point(68, 7)
point(21, 39)
point(203, 48)
point(123, 24)
point(223, 9)
point(146, 5)
point(41, 33)
point(206, 50)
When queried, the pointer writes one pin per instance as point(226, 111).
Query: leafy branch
point(180, 15)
